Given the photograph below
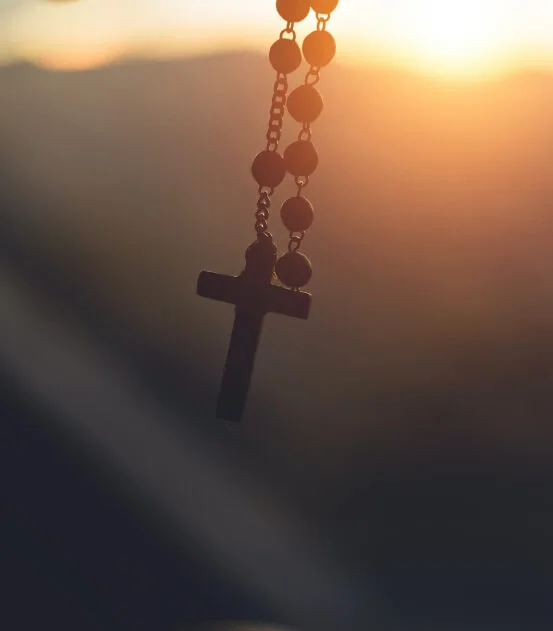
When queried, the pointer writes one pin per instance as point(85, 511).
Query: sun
point(453, 38)
point(457, 37)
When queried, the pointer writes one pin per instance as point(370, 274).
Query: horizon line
point(376, 62)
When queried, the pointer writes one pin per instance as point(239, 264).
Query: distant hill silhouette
point(431, 246)
point(420, 392)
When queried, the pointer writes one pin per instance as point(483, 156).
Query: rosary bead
point(319, 48)
point(305, 104)
point(285, 56)
point(268, 169)
point(301, 158)
point(324, 6)
point(293, 10)
point(294, 270)
point(297, 214)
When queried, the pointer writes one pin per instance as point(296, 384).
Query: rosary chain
point(273, 136)
point(312, 78)
point(277, 111)
point(263, 210)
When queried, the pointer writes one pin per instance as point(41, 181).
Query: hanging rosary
point(255, 291)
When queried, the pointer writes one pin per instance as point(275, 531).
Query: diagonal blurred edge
point(204, 495)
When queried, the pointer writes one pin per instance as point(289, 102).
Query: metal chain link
point(263, 210)
point(313, 76)
point(322, 20)
point(277, 111)
point(296, 239)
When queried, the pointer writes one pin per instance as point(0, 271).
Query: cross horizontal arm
point(218, 287)
point(295, 304)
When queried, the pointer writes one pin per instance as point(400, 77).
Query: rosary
point(270, 284)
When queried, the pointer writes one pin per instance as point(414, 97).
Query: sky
point(446, 36)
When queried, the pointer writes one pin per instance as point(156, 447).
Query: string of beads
point(300, 159)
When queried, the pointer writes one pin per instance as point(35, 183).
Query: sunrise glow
point(82, 60)
point(464, 38)
point(454, 37)
point(446, 37)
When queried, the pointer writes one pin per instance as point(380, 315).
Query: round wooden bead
point(285, 56)
point(269, 169)
point(301, 158)
point(324, 6)
point(319, 48)
point(294, 269)
point(293, 10)
point(305, 104)
point(297, 214)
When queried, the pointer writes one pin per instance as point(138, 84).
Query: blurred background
point(394, 469)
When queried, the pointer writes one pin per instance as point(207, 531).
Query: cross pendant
point(253, 295)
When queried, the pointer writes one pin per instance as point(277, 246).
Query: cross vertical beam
point(253, 295)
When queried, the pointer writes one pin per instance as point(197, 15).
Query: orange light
point(77, 59)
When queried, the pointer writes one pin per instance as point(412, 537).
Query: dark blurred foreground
point(394, 470)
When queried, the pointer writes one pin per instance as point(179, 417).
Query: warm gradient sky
point(451, 36)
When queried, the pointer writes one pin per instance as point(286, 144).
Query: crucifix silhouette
point(254, 295)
